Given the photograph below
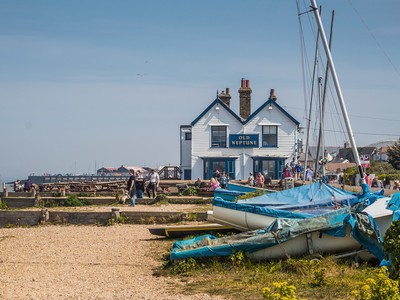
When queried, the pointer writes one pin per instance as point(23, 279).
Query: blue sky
point(107, 83)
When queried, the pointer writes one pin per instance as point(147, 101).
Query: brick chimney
point(245, 99)
point(225, 97)
point(272, 95)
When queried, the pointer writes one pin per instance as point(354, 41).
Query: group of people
point(292, 170)
point(137, 185)
point(377, 183)
point(26, 187)
point(219, 180)
point(259, 181)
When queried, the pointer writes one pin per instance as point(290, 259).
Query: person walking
point(130, 186)
point(139, 184)
point(153, 184)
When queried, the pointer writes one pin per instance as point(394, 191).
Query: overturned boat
point(337, 231)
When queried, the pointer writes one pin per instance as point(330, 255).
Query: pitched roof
point(221, 104)
point(347, 153)
point(131, 168)
point(333, 166)
point(107, 168)
point(272, 103)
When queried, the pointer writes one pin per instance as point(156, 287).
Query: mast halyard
point(338, 89)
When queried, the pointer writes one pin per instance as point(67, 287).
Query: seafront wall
point(11, 218)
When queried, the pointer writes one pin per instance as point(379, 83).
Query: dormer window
point(218, 136)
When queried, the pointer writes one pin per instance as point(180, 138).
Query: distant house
point(365, 154)
point(381, 154)
point(124, 170)
point(342, 158)
point(332, 167)
point(121, 171)
point(219, 139)
point(106, 171)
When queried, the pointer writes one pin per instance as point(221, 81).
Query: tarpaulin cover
point(292, 223)
point(283, 229)
point(227, 194)
point(317, 192)
point(394, 203)
point(269, 211)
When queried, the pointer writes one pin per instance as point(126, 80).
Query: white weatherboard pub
point(219, 139)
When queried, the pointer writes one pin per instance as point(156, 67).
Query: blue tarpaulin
point(332, 223)
point(298, 220)
point(317, 192)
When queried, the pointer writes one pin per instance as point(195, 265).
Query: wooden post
point(5, 191)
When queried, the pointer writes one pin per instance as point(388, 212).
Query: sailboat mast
point(338, 90)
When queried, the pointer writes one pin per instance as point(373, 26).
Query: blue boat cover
point(289, 224)
point(300, 202)
point(314, 193)
point(227, 194)
point(394, 204)
point(269, 211)
point(283, 229)
point(241, 187)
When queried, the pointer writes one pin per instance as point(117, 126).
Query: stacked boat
point(350, 223)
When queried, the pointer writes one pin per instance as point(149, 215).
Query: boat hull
point(240, 219)
point(316, 242)
point(308, 244)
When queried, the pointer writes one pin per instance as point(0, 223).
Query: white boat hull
point(306, 244)
point(311, 243)
point(316, 242)
point(245, 221)
point(240, 219)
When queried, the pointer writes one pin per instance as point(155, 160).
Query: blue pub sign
point(243, 141)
